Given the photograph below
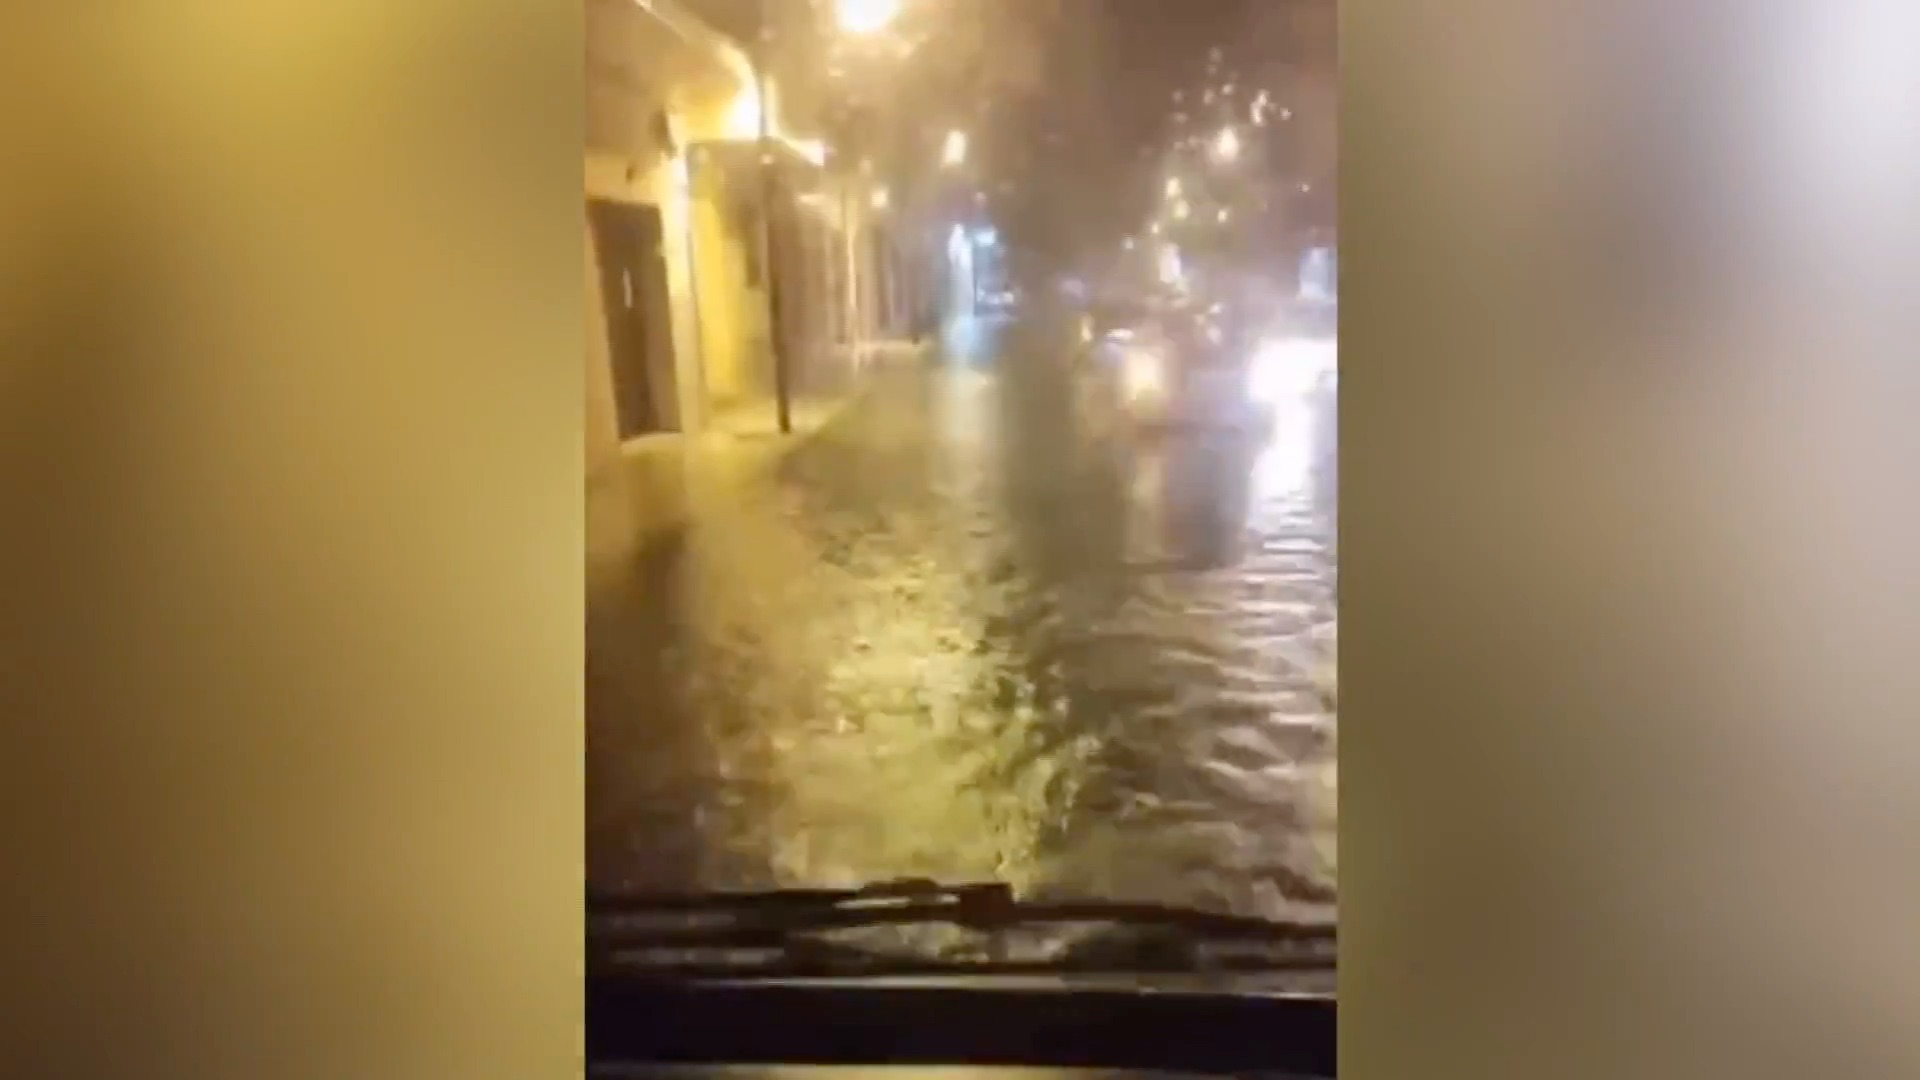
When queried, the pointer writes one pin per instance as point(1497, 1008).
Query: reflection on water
point(1283, 469)
point(954, 639)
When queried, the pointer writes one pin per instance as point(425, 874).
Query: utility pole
point(850, 254)
point(769, 194)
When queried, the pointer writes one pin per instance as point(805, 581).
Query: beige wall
point(661, 183)
point(733, 316)
point(639, 67)
point(719, 325)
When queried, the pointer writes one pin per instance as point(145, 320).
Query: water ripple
point(936, 645)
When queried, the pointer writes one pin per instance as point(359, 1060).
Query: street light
point(857, 17)
point(866, 16)
point(1226, 146)
point(955, 152)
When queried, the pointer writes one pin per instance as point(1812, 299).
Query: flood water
point(974, 631)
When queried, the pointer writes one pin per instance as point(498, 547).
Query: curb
point(648, 496)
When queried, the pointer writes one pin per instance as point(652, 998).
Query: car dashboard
point(797, 1028)
point(893, 1073)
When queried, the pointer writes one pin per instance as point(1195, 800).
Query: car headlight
point(1267, 375)
point(1144, 375)
point(1284, 370)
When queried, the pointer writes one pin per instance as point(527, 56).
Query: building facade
point(684, 234)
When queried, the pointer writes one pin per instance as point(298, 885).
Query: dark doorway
point(633, 283)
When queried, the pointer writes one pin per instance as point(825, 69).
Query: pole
point(850, 253)
point(769, 193)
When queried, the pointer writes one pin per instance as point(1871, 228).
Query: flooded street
point(970, 631)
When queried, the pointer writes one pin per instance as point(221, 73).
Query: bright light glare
point(743, 118)
point(1317, 275)
point(866, 16)
point(1226, 145)
point(1144, 378)
point(1171, 270)
point(955, 151)
point(1282, 372)
point(881, 199)
point(1285, 466)
point(1173, 187)
point(1181, 210)
point(1266, 377)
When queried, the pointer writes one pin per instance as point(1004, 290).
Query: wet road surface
point(970, 632)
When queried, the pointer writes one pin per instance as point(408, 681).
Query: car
point(1000, 300)
point(1184, 368)
point(1114, 320)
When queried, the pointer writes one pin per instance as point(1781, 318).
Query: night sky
point(1077, 166)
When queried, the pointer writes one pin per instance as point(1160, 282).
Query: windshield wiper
point(744, 918)
point(784, 932)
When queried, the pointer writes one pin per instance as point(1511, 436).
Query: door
point(633, 283)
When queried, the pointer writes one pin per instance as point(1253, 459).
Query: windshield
point(900, 563)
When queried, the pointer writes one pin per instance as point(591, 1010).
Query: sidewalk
point(759, 419)
point(652, 492)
